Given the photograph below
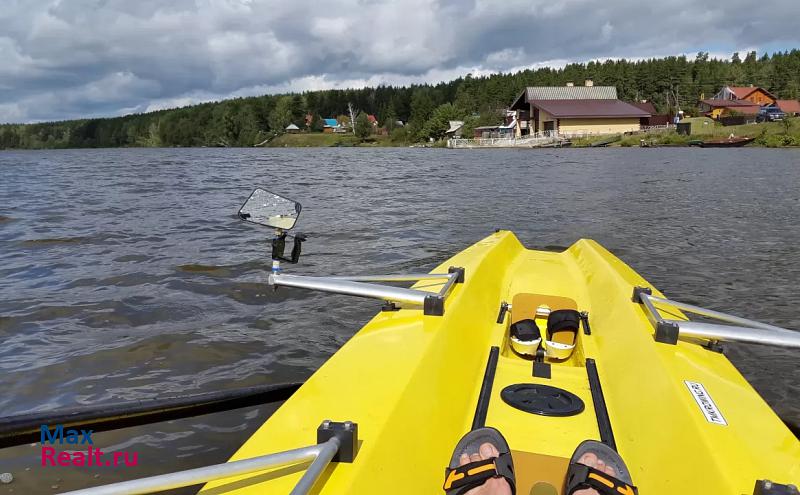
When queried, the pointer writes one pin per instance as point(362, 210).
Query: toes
point(588, 459)
point(611, 471)
point(464, 459)
point(475, 457)
point(488, 451)
point(600, 465)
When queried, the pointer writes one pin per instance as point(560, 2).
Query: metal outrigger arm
point(337, 442)
point(363, 286)
point(743, 330)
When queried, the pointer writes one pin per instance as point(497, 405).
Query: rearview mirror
point(270, 209)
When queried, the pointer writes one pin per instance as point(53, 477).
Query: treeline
point(669, 83)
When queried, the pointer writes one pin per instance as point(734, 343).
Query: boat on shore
point(448, 356)
point(734, 142)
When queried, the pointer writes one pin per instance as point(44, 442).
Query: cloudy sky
point(63, 59)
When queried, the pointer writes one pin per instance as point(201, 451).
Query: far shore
point(784, 134)
point(767, 135)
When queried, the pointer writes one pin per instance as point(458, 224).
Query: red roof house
point(789, 107)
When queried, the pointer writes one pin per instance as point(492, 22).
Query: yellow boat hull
point(411, 382)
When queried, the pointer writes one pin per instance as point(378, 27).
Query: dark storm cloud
point(71, 58)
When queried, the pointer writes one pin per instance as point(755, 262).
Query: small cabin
point(330, 125)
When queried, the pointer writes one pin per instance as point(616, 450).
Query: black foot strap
point(581, 476)
point(464, 478)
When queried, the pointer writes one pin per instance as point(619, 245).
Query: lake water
point(126, 274)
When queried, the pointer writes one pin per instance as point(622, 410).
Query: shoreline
point(784, 134)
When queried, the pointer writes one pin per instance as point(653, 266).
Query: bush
point(399, 135)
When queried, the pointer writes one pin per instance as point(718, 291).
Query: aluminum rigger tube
point(716, 314)
point(316, 468)
point(339, 286)
point(413, 277)
point(652, 313)
point(196, 476)
point(727, 333)
point(448, 285)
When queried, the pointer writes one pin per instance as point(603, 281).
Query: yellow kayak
point(681, 416)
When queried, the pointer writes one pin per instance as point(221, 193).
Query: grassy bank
point(767, 134)
point(320, 139)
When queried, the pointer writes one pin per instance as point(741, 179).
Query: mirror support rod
point(743, 330)
point(432, 302)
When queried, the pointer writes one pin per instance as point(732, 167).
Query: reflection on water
point(135, 279)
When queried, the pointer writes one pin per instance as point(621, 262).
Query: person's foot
point(492, 486)
point(499, 486)
point(591, 460)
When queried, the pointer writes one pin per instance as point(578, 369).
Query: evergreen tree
point(665, 82)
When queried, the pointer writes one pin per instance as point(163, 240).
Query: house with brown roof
point(789, 107)
point(655, 119)
point(716, 107)
point(753, 94)
point(575, 110)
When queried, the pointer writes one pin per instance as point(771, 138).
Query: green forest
point(669, 83)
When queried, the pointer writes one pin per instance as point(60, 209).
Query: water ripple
point(126, 274)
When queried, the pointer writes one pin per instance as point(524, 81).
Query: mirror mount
point(279, 246)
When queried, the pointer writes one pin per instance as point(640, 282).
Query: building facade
point(575, 110)
point(716, 108)
point(752, 94)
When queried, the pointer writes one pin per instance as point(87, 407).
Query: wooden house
point(752, 94)
point(330, 125)
point(716, 107)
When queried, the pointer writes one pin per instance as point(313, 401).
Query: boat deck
point(412, 383)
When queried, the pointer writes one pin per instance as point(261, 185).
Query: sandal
point(525, 337)
point(581, 476)
point(461, 479)
point(562, 331)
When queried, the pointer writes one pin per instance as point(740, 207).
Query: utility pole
point(352, 117)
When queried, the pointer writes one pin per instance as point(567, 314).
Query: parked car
point(770, 114)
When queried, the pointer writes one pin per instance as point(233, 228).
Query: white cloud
point(72, 58)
